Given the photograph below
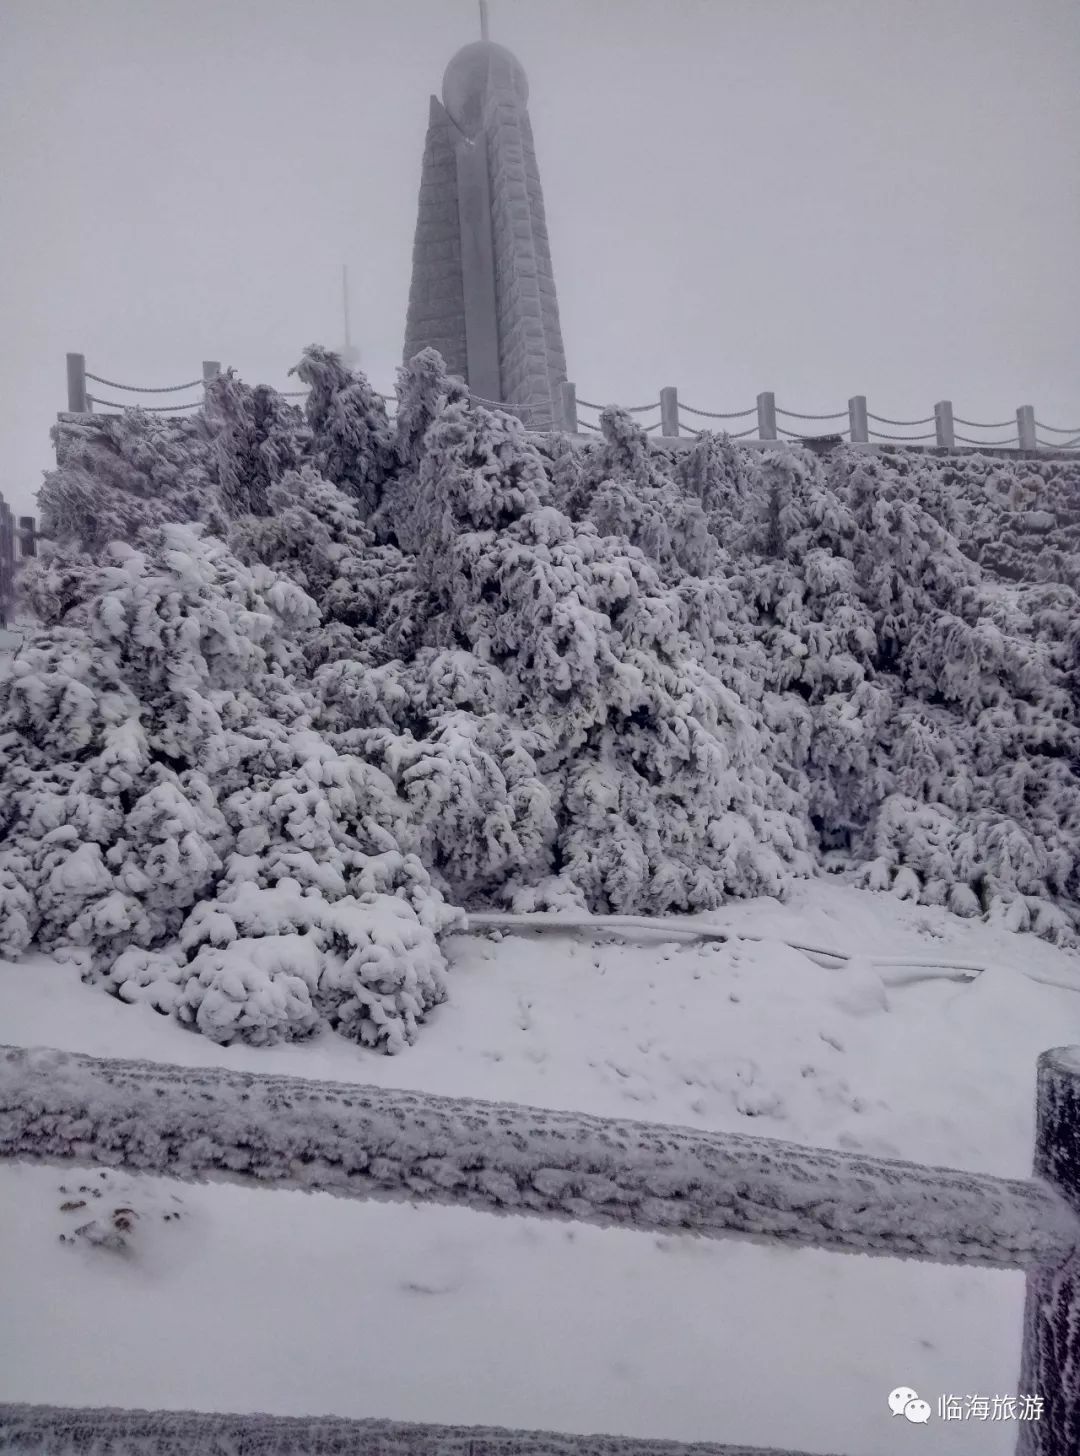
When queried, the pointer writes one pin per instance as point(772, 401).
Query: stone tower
point(483, 291)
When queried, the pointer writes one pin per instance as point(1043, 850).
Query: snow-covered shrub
point(256, 439)
point(353, 443)
point(267, 965)
point(312, 661)
point(157, 753)
point(119, 474)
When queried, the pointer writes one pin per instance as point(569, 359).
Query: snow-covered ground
point(307, 1304)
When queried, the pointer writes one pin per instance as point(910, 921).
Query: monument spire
point(483, 291)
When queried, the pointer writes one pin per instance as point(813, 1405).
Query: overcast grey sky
point(819, 197)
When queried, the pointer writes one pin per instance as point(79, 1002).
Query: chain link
point(791, 415)
point(631, 409)
point(990, 444)
point(881, 435)
point(153, 409)
point(976, 425)
point(716, 415)
point(514, 409)
point(1057, 430)
point(144, 388)
point(794, 435)
point(884, 420)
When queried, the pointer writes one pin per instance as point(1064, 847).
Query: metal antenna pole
point(483, 20)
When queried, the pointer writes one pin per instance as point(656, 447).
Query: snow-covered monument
point(483, 290)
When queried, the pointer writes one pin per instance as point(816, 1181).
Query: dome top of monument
point(471, 72)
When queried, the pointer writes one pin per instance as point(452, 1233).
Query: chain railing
point(856, 425)
point(860, 427)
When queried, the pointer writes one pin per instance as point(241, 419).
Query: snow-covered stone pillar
point(669, 412)
point(766, 416)
point(857, 420)
point(568, 408)
point(76, 384)
point(1050, 1363)
point(1025, 427)
point(943, 423)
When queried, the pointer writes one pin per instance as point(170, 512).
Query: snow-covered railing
point(857, 427)
point(856, 424)
point(27, 536)
point(81, 401)
point(49, 1430)
point(364, 1142)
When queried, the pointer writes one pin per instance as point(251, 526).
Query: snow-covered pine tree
point(121, 473)
point(352, 443)
point(159, 764)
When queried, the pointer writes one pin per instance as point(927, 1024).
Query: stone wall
point(531, 358)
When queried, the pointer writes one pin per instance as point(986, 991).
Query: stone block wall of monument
point(436, 317)
point(531, 359)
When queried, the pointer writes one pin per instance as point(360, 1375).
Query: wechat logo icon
point(903, 1401)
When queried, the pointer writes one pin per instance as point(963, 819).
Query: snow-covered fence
point(855, 424)
point(81, 401)
point(9, 561)
point(49, 1430)
point(371, 1142)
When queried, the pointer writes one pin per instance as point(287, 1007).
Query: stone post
point(857, 420)
point(943, 423)
point(568, 420)
point(1025, 427)
point(669, 412)
point(27, 537)
point(766, 416)
point(210, 370)
point(1050, 1360)
point(76, 384)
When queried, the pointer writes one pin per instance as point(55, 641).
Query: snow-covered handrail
point(364, 1142)
point(52, 1430)
point(566, 405)
point(794, 415)
point(154, 409)
point(145, 388)
point(858, 428)
point(373, 1142)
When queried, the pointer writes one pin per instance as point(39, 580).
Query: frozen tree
point(121, 473)
point(257, 438)
point(352, 438)
point(159, 759)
